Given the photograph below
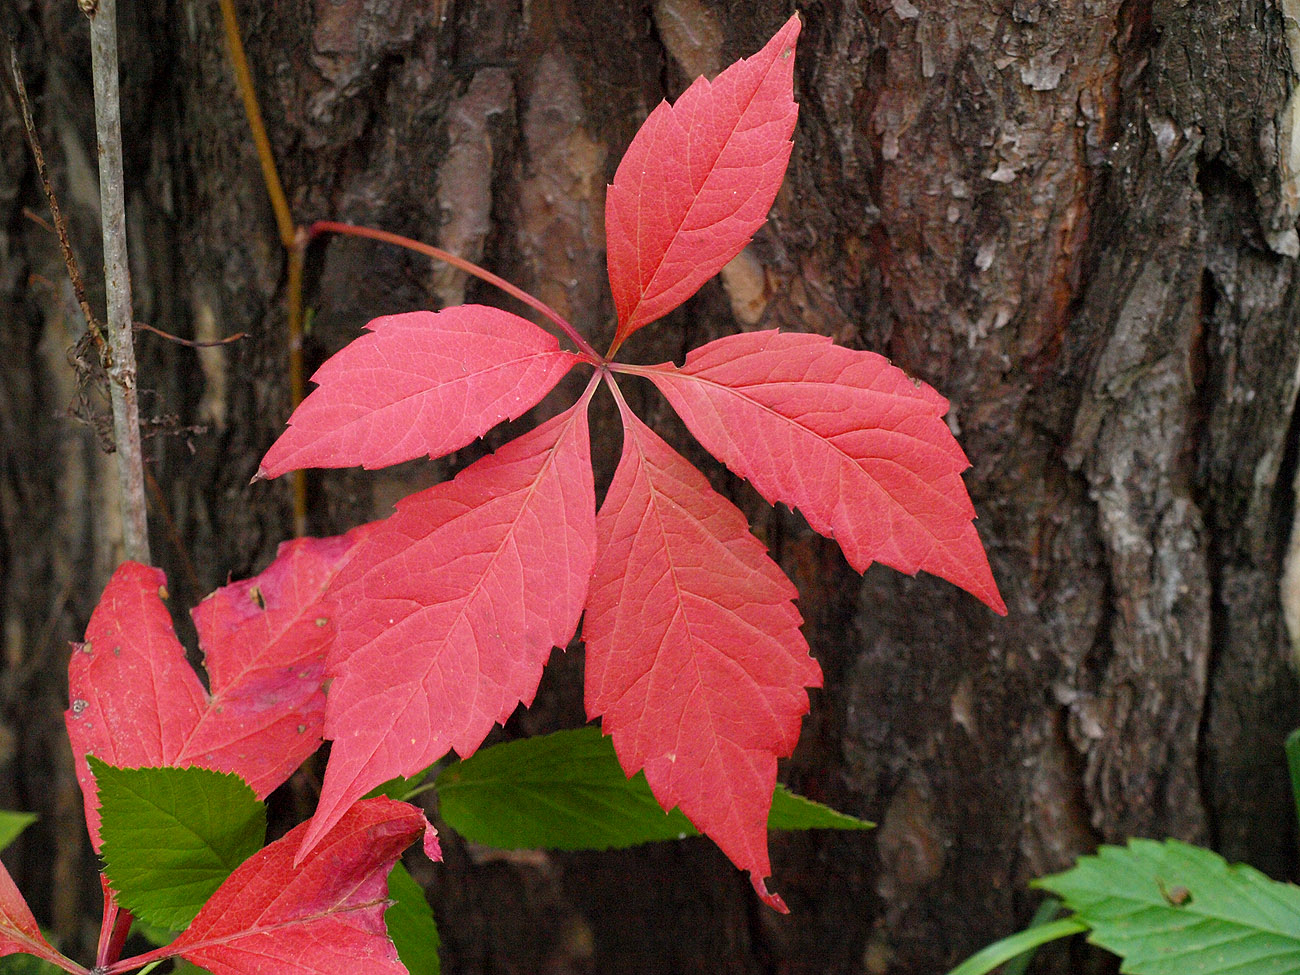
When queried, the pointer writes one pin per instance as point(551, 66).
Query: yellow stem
point(296, 381)
point(244, 81)
point(295, 243)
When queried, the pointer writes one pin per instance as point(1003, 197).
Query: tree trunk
point(1075, 219)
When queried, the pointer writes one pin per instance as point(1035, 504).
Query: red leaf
point(323, 916)
point(451, 607)
point(846, 438)
point(695, 661)
point(133, 698)
point(135, 701)
point(422, 383)
point(18, 929)
point(698, 179)
point(267, 639)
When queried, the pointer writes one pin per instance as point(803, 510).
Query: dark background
point(1075, 219)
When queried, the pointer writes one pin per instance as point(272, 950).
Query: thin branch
point(469, 267)
point(13, 82)
point(117, 281)
point(189, 343)
point(37, 219)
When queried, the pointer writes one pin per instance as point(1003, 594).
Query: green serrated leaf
point(794, 812)
point(171, 836)
point(411, 925)
point(12, 824)
point(1167, 908)
point(566, 791)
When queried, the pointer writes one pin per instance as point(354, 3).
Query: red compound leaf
point(267, 639)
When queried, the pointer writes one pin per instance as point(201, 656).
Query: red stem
point(469, 267)
point(112, 936)
point(137, 961)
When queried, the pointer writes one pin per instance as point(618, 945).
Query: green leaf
point(794, 812)
point(1047, 911)
point(27, 965)
point(400, 787)
point(1015, 945)
point(1173, 909)
point(410, 924)
point(12, 824)
point(171, 836)
point(566, 791)
point(152, 933)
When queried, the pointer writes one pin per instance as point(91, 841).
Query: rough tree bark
point(1076, 219)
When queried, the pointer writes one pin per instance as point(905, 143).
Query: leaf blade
point(133, 698)
point(12, 825)
point(791, 811)
point(1016, 945)
point(171, 836)
point(453, 605)
point(419, 384)
point(844, 436)
point(324, 917)
point(1168, 908)
point(266, 640)
point(19, 933)
point(697, 180)
point(410, 924)
point(695, 662)
point(567, 791)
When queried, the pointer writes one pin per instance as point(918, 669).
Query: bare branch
point(13, 83)
point(117, 280)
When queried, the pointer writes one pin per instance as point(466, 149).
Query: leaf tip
point(432, 848)
point(993, 600)
point(792, 27)
point(986, 591)
point(772, 900)
point(317, 827)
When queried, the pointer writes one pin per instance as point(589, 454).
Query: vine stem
point(244, 82)
point(117, 281)
point(291, 237)
point(469, 267)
